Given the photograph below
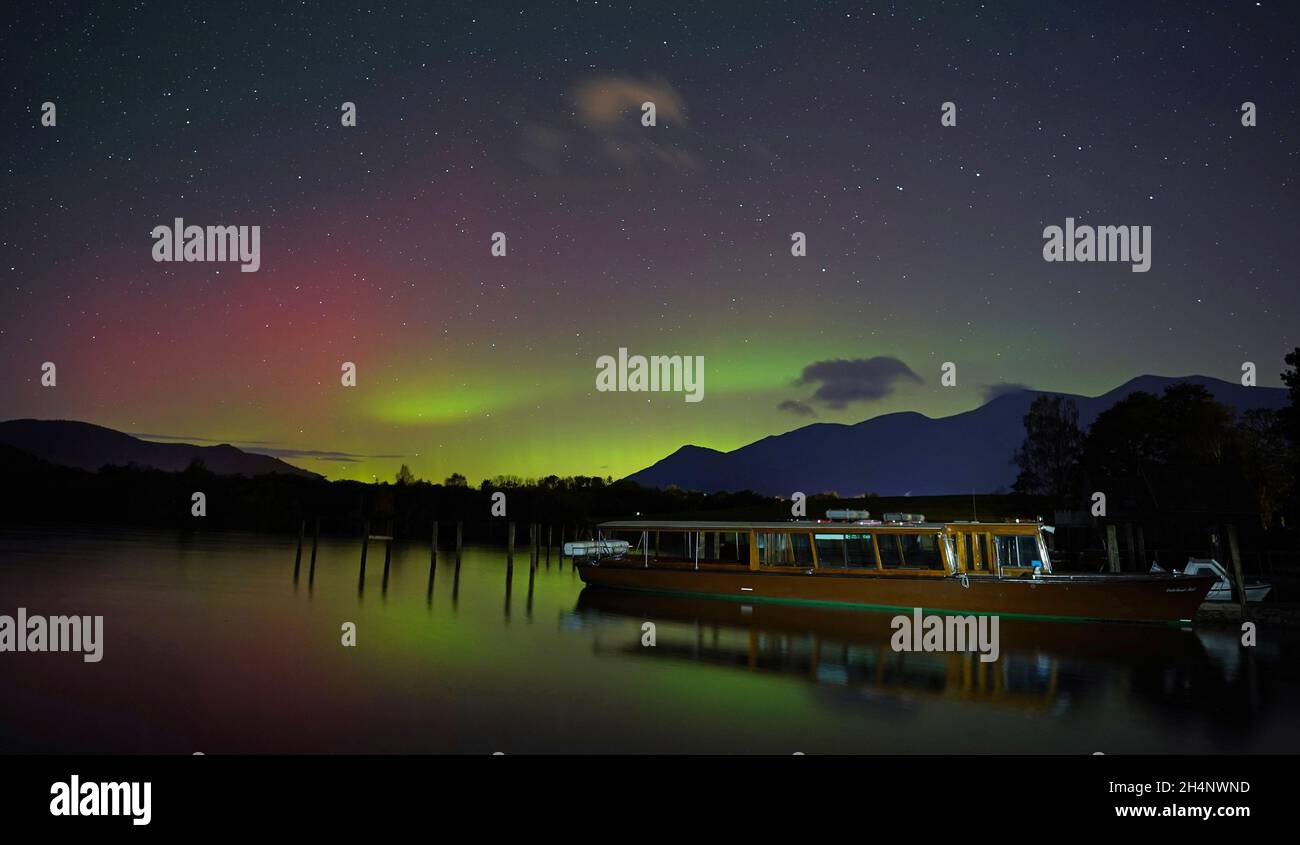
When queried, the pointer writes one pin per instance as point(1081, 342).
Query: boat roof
point(723, 525)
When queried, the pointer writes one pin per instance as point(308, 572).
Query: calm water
point(210, 646)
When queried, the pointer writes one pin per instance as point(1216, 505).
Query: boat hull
point(1254, 592)
point(1130, 598)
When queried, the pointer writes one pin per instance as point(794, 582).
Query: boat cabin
point(900, 544)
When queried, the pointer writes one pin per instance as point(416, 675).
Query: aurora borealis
point(924, 242)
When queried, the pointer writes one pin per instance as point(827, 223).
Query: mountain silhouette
point(86, 446)
point(906, 453)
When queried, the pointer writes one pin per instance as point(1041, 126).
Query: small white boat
point(1222, 589)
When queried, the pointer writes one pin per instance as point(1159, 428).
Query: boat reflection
point(1041, 666)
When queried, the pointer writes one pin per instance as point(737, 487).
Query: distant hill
point(905, 453)
point(86, 446)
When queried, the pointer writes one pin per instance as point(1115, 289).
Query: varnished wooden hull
point(1131, 598)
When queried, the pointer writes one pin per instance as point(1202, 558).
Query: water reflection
point(211, 645)
point(1043, 666)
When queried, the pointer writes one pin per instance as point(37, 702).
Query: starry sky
point(924, 242)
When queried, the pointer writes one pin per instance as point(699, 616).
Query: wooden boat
point(899, 563)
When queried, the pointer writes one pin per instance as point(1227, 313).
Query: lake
point(210, 646)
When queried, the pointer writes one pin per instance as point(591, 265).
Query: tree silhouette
point(1289, 426)
point(1049, 457)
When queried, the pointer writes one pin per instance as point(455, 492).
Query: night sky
point(924, 242)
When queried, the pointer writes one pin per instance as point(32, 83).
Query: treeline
point(36, 492)
point(1180, 462)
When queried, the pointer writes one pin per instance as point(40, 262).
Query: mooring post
point(528, 605)
point(561, 550)
point(549, 526)
point(297, 558)
point(388, 558)
point(1112, 547)
point(1236, 568)
point(433, 561)
point(532, 546)
point(365, 543)
point(510, 548)
point(315, 538)
point(459, 526)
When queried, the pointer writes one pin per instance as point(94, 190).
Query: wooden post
point(459, 526)
point(297, 558)
point(1240, 585)
point(1142, 548)
point(528, 605)
point(388, 559)
point(365, 543)
point(433, 560)
point(510, 548)
point(532, 545)
point(315, 538)
point(1128, 536)
point(509, 583)
point(1112, 547)
point(548, 544)
point(561, 555)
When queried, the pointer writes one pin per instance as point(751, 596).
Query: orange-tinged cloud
point(603, 101)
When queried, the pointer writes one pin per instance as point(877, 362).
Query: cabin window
point(974, 553)
point(735, 547)
point(673, 545)
point(910, 551)
point(840, 551)
point(891, 557)
point(1018, 551)
point(721, 547)
point(802, 547)
point(773, 549)
point(780, 549)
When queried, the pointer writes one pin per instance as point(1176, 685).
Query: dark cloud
point(180, 438)
point(264, 447)
point(794, 406)
point(993, 391)
point(318, 455)
point(841, 381)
